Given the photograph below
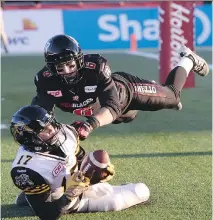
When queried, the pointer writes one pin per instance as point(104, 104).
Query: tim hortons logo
point(179, 15)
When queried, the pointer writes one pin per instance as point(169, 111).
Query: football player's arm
point(42, 98)
point(110, 104)
point(39, 196)
point(104, 116)
point(109, 100)
point(110, 107)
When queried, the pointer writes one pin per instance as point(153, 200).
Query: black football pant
point(150, 96)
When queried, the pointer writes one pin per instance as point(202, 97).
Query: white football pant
point(103, 197)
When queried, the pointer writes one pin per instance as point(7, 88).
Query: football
point(94, 165)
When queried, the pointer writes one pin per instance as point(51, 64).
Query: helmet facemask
point(67, 66)
point(29, 134)
point(68, 70)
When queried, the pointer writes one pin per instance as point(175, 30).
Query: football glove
point(76, 185)
point(110, 170)
point(85, 128)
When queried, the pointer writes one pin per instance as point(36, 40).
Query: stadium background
point(170, 151)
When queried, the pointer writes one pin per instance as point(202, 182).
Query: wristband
point(93, 122)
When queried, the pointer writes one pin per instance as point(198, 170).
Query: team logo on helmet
point(46, 46)
point(19, 127)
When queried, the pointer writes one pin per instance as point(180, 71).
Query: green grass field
point(170, 151)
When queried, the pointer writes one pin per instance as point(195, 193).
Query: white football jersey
point(53, 169)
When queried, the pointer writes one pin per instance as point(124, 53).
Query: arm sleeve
point(42, 98)
point(108, 96)
point(38, 194)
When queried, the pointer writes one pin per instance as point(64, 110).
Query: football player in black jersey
point(84, 85)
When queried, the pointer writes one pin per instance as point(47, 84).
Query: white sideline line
point(103, 51)
point(149, 55)
point(144, 54)
point(4, 126)
point(38, 54)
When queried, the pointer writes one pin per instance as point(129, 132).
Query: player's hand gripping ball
point(97, 167)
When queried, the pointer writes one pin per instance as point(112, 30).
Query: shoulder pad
point(99, 63)
point(93, 61)
point(92, 57)
point(43, 74)
point(105, 71)
point(29, 181)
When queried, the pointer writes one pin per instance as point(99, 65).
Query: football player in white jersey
point(46, 170)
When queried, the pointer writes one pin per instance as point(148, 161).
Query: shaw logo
point(147, 29)
point(56, 93)
point(115, 27)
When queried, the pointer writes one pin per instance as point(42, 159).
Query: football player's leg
point(153, 97)
point(103, 197)
point(149, 96)
point(127, 117)
point(21, 200)
point(189, 62)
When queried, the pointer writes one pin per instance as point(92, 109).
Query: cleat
point(178, 107)
point(200, 66)
point(21, 200)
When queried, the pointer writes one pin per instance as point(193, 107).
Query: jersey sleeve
point(29, 181)
point(109, 96)
point(42, 98)
point(38, 193)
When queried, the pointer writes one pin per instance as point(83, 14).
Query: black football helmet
point(64, 58)
point(28, 122)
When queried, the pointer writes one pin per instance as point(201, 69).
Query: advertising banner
point(203, 25)
point(28, 30)
point(108, 28)
point(112, 28)
point(176, 29)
